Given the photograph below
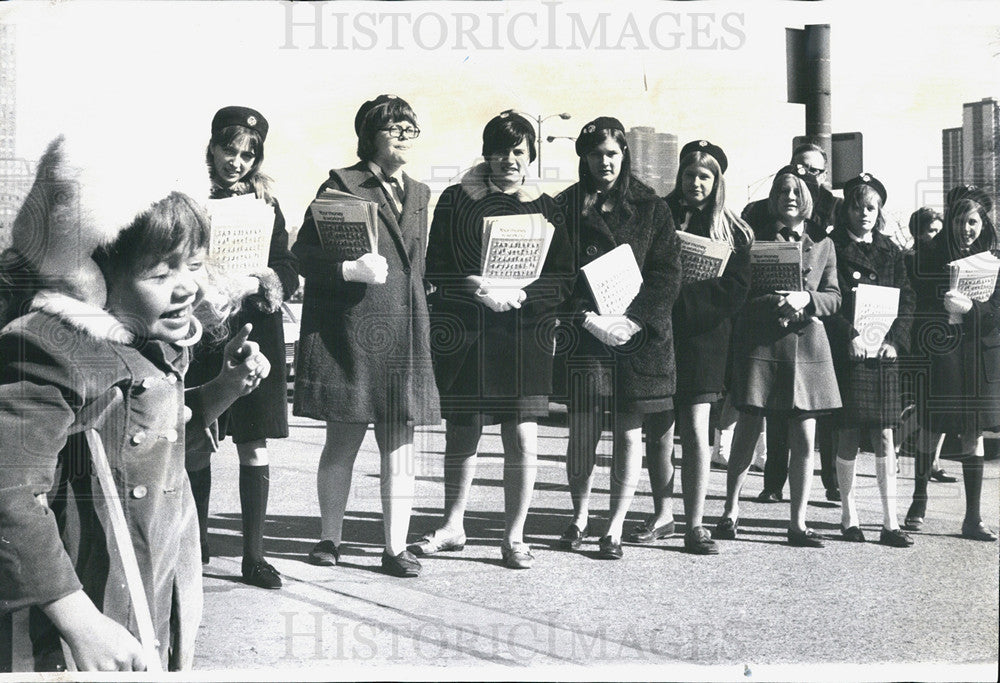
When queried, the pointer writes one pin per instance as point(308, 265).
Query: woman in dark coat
point(234, 156)
point(702, 323)
point(364, 347)
point(781, 360)
point(868, 376)
point(960, 340)
point(492, 343)
point(622, 362)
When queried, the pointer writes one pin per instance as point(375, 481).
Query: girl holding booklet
point(234, 157)
point(960, 339)
point(623, 360)
point(364, 348)
point(492, 340)
point(702, 323)
point(865, 352)
point(781, 359)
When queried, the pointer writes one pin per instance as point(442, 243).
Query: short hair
point(396, 110)
point(809, 147)
point(506, 131)
point(921, 218)
point(801, 190)
point(236, 135)
point(861, 194)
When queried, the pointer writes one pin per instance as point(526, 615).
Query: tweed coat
point(62, 372)
point(364, 350)
point(485, 360)
point(642, 370)
point(961, 362)
point(704, 312)
point(789, 368)
point(865, 384)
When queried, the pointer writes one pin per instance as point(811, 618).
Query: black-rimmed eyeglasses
point(401, 132)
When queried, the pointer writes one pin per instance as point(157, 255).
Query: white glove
point(501, 299)
point(371, 269)
point(610, 330)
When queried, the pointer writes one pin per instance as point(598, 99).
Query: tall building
point(971, 154)
point(12, 171)
point(654, 157)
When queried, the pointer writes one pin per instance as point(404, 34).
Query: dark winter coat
point(63, 371)
point(961, 363)
point(703, 314)
point(364, 350)
point(789, 368)
point(485, 360)
point(643, 369)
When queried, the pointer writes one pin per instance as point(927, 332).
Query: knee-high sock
point(845, 479)
point(972, 477)
point(885, 474)
point(201, 488)
point(254, 484)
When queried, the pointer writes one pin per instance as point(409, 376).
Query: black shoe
point(978, 532)
point(805, 539)
point(572, 537)
point(261, 574)
point(324, 554)
point(206, 554)
point(698, 541)
point(404, 565)
point(895, 538)
point(608, 549)
point(943, 477)
point(766, 496)
point(833, 495)
point(725, 530)
point(646, 534)
point(915, 516)
point(853, 534)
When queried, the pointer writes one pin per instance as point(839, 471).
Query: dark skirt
point(263, 413)
point(597, 384)
point(484, 412)
point(870, 393)
point(688, 400)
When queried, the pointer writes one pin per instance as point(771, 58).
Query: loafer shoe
point(404, 565)
point(914, 519)
point(698, 541)
point(261, 574)
point(766, 496)
point(517, 556)
point(645, 534)
point(608, 549)
point(895, 538)
point(853, 534)
point(805, 539)
point(943, 477)
point(324, 554)
point(978, 532)
point(725, 530)
point(833, 495)
point(572, 537)
point(430, 544)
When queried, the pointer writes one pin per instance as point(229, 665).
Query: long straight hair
point(725, 227)
point(987, 240)
point(255, 180)
point(619, 192)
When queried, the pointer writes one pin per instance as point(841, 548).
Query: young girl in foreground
point(960, 339)
point(869, 384)
point(70, 365)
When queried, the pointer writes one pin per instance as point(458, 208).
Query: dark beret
point(708, 148)
point(240, 116)
point(865, 179)
point(976, 194)
point(589, 137)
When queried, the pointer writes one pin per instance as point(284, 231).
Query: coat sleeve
point(443, 269)
point(826, 298)
point(317, 266)
point(40, 396)
point(661, 275)
point(281, 277)
point(556, 282)
point(900, 333)
point(702, 306)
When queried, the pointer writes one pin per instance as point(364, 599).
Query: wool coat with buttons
point(643, 369)
point(62, 372)
point(789, 368)
point(364, 349)
point(704, 312)
point(960, 363)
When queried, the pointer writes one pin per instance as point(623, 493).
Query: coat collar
point(359, 180)
point(82, 316)
point(476, 184)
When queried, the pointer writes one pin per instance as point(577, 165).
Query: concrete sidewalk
point(758, 604)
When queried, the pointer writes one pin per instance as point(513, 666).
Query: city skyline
point(971, 153)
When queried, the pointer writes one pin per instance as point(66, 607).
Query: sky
point(144, 79)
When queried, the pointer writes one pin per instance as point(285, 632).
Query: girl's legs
point(255, 480)
point(201, 488)
point(927, 442)
point(659, 430)
point(693, 425)
point(520, 464)
point(333, 477)
point(847, 453)
point(748, 428)
point(626, 464)
point(885, 475)
point(398, 474)
point(724, 433)
point(461, 443)
point(972, 477)
point(801, 438)
point(581, 456)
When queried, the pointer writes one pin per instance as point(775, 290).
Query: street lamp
point(538, 119)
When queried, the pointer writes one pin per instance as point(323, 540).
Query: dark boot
point(201, 488)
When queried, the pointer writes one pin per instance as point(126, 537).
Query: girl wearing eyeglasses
point(364, 348)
